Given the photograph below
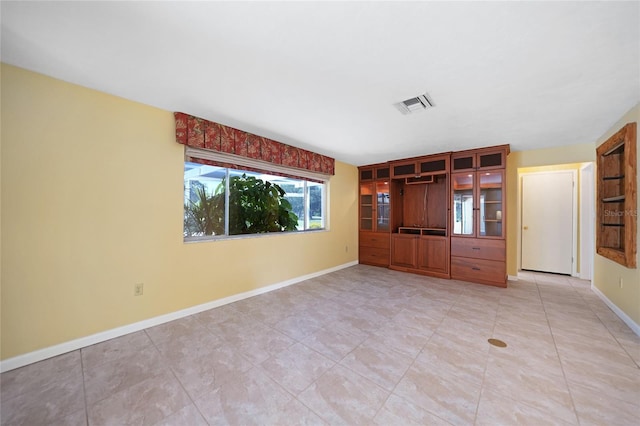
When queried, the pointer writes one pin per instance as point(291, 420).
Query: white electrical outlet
point(138, 289)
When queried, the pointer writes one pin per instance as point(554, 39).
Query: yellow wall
point(538, 160)
point(607, 273)
point(92, 204)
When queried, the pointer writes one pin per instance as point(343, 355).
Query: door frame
point(587, 220)
point(574, 219)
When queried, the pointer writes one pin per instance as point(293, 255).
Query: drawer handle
point(475, 268)
point(475, 248)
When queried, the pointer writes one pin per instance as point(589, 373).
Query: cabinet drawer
point(372, 239)
point(373, 255)
point(478, 248)
point(480, 270)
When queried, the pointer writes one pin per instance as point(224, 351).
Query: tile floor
point(360, 346)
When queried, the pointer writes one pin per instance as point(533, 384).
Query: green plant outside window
point(255, 203)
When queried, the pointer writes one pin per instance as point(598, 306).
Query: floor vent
point(498, 343)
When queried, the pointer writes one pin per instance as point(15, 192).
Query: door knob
point(526, 227)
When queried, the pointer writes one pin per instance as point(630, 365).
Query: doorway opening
point(555, 219)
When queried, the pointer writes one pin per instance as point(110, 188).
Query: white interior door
point(547, 222)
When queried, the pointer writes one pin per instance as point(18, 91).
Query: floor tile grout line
point(564, 375)
point(173, 373)
point(113, 361)
point(343, 366)
point(413, 363)
point(325, 372)
point(578, 298)
point(486, 366)
point(84, 389)
point(367, 378)
point(636, 362)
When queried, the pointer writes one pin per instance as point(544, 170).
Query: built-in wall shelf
point(617, 195)
point(614, 199)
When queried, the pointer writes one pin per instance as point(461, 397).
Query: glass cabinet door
point(463, 204)
point(383, 210)
point(366, 206)
point(490, 184)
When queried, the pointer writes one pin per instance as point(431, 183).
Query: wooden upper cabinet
point(382, 172)
point(480, 159)
point(374, 201)
point(371, 173)
point(420, 166)
point(367, 174)
point(617, 197)
point(404, 169)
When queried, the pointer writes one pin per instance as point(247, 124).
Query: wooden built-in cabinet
point(419, 235)
point(617, 197)
point(478, 249)
point(420, 250)
point(440, 215)
point(375, 212)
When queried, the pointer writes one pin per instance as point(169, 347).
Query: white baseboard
point(635, 327)
point(62, 348)
point(586, 276)
point(512, 277)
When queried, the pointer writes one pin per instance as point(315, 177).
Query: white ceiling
point(325, 75)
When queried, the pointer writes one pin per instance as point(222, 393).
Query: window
point(223, 201)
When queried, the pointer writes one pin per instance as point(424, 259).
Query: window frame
point(305, 176)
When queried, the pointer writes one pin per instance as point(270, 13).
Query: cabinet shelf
point(616, 149)
point(614, 199)
point(407, 230)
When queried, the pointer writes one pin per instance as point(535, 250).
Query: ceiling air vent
point(419, 103)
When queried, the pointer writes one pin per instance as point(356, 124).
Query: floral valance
point(200, 133)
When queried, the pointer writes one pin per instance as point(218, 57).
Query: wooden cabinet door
point(433, 255)
point(366, 206)
point(404, 169)
point(491, 159)
point(383, 173)
point(480, 159)
point(404, 250)
point(464, 204)
point(435, 164)
point(463, 161)
point(491, 213)
point(382, 206)
point(366, 174)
